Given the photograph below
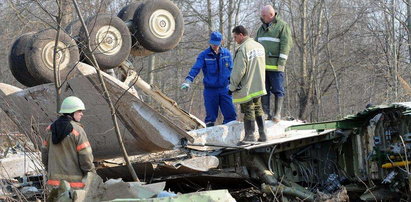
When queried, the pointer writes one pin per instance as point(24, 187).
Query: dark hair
point(240, 30)
point(71, 115)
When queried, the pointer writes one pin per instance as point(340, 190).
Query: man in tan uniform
point(247, 82)
point(66, 151)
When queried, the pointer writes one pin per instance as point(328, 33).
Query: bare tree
point(221, 16)
point(305, 87)
point(230, 12)
point(409, 28)
point(107, 97)
point(210, 16)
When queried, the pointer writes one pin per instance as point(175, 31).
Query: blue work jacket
point(216, 68)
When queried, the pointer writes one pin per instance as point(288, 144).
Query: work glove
point(186, 85)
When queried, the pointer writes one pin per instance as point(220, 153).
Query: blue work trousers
point(215, 98)
point(274, 83)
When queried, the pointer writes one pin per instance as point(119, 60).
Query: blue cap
point(215, 38)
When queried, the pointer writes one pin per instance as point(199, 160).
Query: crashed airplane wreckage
point(364, 156)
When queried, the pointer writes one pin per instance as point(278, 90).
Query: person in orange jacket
point(66, 151)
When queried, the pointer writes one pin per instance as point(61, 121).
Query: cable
point(269, 158)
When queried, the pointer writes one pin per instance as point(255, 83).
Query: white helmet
point(71, 104)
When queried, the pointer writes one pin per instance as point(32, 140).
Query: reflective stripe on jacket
point(215, 67)
point(247, 79)
point(72, 184)
point(277, 41)
point(68, 160)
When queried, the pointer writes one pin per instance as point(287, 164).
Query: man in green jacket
point(66, 151)
point(275, 35)
point(247, 82)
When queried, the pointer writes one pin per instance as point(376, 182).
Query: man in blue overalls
point(216, 63)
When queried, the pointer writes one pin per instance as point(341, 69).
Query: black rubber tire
point(144, 35)
point(127, 14)
point(39, 56)
point(105, 59)
point(17, 61)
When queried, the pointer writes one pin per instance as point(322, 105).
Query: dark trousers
point(252, 109)
point(274, 83)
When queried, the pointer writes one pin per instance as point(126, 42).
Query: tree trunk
point(304, 91)
point(394, 51)
point(315, 71)
point(237, 9)
point(409, 28)
point(210, 17)
point(151, 66)
point(229, 23)
point(221, 15)
point(56, 67)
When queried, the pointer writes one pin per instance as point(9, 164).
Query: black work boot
point(277, 109)
point(210, 124)
point(265, 102)
point(249, 128)
point(261, 129)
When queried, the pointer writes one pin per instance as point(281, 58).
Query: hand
point(230, 92)
point(185, 86)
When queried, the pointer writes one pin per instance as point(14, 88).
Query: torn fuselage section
point(365, 156)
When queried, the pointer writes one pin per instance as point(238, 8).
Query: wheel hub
point(108, 40)
point(162, 23)
point(62, 55)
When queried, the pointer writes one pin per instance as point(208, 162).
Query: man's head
point(215, 40)
point(239, 34)
point(73, 106)
point(267, 14)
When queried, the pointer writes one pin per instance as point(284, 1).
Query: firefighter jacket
point(277, 41)
point(247, 79)
point(216, 68)
point(68, 160)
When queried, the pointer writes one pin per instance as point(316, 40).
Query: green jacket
point(277, 41)
point(247, 80)
point(68, 160)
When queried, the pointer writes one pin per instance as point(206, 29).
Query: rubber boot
point(261, 129)
point(277, 109)
point(265, 102)
point(211, 124)
point(249, 128)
